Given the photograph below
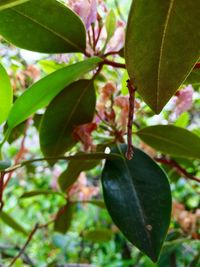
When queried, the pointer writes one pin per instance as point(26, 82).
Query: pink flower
point(183, 101)
point(117, 41)
point(86, 9)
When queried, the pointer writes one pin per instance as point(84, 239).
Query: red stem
point(114, 64)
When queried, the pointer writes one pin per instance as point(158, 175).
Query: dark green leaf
point(75, 105)
point(11, 3)
point(40, 193)
point(74, 168)
point(138, 198)
point(193, 78)
point(6, 94)
point(64, 218)
point(42, 92)
point(44, 26)
point(7, 219)
point(98, 235)
point(172, 140)
point(156, 43)
point(4, 165)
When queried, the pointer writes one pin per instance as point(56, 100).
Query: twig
point(114, 64)
point(132, 89)
point(179, 168)
point(111, 53)
point(25, 245)
point(99, 31)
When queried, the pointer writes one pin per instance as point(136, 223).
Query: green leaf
point(157, 52)
point(75, 105)
point(183, 120)
point(6, 94)
point(172, 140)
point(40, 193)
point(138, 198)
point(110, 25)
point(74, 168)
point(98, 235)
point(42, 92)
point(45, 26)
point(11, 3)
point(7, 219)
point(4, 165)
point(64, 218)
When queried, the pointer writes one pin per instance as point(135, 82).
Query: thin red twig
point(114, 64)
point(132, 89)
point(179, 168)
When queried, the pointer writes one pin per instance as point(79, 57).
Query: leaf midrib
point(63, 38)
point(161, 51)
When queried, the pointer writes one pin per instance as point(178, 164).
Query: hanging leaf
point(158, 54)
point(172, 140)
point(138, 198)
point(7, 219)
point(45, 26)
point(42, 92)
point(64, 218)
point(6, 94)
point(74, 168)
point(75, 105)
point(11, 3)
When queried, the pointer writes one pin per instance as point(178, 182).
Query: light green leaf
point(172, 140)
point(138, 198)
point(158, 54)
point(45, 26)
point(110, 25)
point(11, 3)
point(7, 219)
point(6, 94)
point(42, 92)
point(75, 105)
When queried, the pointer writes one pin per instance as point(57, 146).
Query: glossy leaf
point(45, 26)
point(42, 92)
point(172, 140)
point(6, 94)
point(74, 168)
point(98, 235)
point(64, 218)
point(75, 105)
point(4, 165)
point(156, 43)
point(40, 193)
point(11, 3)
point(7, 219)
point(138, 198)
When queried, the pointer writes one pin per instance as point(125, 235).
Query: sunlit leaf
point(158, 54)
point(44, 26)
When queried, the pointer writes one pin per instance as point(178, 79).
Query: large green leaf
point(7, 219)
point(75, 105)
point(11, 3)
point(193, 78)
point(44, 26)
point(6, 94)
point(42, 92)
point(138, 198)
point(74, 168)
point(158, 54)
point(64, 218)
point(172, 140)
